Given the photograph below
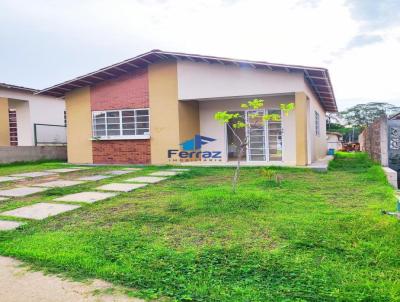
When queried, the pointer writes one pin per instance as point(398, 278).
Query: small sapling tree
point(255, 120)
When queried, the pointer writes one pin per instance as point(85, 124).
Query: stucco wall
point(164, 110)
point(211, 128)
point(24, 122)
point(302, 104)
point(189, 120)
point(34, 109)
point(202, 80)
point(318, 145)
point(4, 125)
point(333, 141)
point(79, 126)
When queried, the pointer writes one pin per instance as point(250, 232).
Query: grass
point(315, 237)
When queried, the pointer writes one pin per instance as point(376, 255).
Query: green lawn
point(316, 237)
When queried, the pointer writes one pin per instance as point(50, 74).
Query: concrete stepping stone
point(88, 197)
point(133, 169)
point(21, 191)
point(146, 179)
point(94, 177)
point(10, 178)
point(3, 198)
point(59, 183)
point(6, 225)
point(118, 172)
point(180, 170)
point(64, 170)
point(164, 173)
point(120, 187)
point(33, 174)
point(40, 210)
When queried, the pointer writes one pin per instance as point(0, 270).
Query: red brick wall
point(121, 152)
point(126, 92)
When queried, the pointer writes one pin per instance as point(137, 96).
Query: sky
point(45, 42)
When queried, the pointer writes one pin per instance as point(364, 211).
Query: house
point(334, 140)
point(28, 119)
point(158, 108)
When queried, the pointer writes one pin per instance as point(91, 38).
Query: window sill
point(125, 137)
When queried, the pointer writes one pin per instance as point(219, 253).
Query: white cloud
point(67, 38)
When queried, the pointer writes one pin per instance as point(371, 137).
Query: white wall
point(34, 109)
point(211, 128)
point(333, 141)
point(317, 145)
point(202, 80)
point(24, 123)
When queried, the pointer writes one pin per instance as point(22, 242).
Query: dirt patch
point(17, 284)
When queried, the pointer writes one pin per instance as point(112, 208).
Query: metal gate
point(394, 146)
point(48, 134)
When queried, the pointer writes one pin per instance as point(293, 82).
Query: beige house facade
point(158, 108)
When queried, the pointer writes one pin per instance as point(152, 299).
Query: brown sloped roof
point(9, 86)
point(318, 78)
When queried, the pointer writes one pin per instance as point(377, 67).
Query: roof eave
point(319, 77)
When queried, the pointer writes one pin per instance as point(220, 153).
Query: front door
point(256, 148)
point(265, 138)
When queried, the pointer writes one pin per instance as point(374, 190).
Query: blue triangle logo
point(196, 142)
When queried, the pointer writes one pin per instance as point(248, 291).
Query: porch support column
point(301, 113)
point(79, 126)
point(164, 110)
point(4, 123)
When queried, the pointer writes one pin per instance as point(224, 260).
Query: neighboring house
point(146, 109)
point(21, 109)
point(334, 140)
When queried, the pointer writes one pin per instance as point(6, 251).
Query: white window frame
point(266, 129)
point(317, 123)
point(120, 136)
point(268, 111)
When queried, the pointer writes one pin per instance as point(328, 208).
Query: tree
point(362, 115)
point(255, 120)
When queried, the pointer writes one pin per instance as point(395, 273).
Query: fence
point(48, 134)
point(381, 140)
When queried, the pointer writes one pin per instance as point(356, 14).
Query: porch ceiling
point(318, 78)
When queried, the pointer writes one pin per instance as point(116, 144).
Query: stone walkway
point(43, 210)
point(40, 210)
point(17, 284)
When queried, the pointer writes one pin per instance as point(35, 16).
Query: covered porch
point(282, 143)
